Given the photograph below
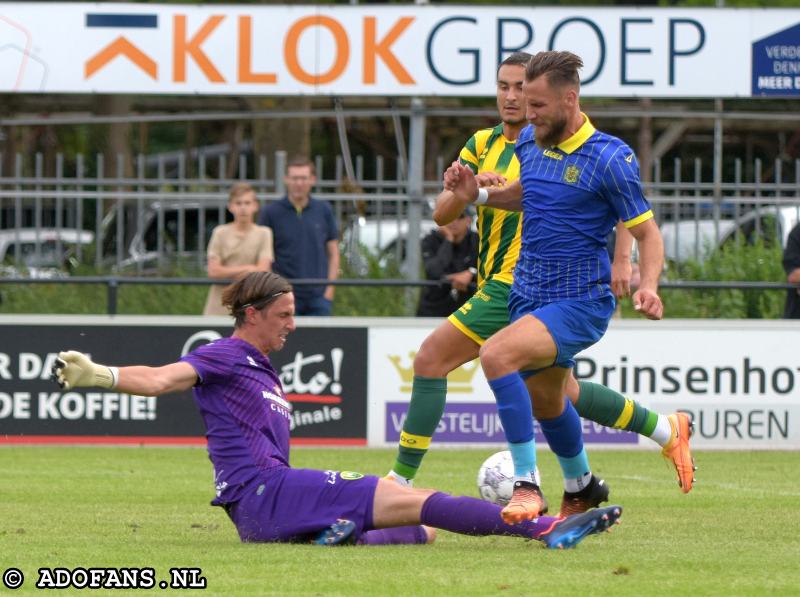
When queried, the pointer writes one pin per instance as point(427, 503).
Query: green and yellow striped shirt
point(499, 230)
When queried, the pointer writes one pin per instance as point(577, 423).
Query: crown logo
point(459, 380)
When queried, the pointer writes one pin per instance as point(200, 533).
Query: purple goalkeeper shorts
point(293, 504)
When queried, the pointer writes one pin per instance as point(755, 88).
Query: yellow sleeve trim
point(639, 219)
point(419, 442)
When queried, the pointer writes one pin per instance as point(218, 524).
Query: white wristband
point(483, 197)
point(114, 376)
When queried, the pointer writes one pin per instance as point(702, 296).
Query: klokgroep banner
point(398, 50)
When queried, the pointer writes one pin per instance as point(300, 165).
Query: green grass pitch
point(736, 533)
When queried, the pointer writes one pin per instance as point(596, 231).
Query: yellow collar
point(579, 138)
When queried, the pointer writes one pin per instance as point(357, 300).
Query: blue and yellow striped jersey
point(573, 195)
point(489, 151)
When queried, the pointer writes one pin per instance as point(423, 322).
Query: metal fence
point(160, 216)
point(113, 285)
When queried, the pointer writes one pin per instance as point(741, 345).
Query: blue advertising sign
point(479, 423)
point(776, 64)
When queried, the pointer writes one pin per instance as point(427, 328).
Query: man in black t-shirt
point(449, 253)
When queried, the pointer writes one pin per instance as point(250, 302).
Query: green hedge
point(132, 299)
point(734, 262)
point(375, 301)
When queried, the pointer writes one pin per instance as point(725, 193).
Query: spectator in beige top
point(237, 248)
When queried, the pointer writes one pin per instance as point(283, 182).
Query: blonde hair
point(239, 189)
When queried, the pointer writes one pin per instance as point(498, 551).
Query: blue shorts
point(574, 324)
point(294, 504)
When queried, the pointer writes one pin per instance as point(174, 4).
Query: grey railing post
point(718, 130)
point(416, 180)
point(280, 172)
point(112, 287)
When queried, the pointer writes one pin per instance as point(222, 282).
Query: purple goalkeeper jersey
point(245, 411)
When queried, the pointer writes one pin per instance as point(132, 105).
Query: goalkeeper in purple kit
point(246, 415)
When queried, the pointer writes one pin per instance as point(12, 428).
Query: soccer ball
point(496, 478)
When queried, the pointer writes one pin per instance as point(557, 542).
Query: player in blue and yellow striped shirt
point(575, 183)
point(458, 340)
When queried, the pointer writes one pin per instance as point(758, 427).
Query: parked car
point(40, 253)
point(698, 239)
point(183, 227)
point(384, 239)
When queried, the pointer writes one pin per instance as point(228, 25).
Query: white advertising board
point(740, 380)
point(397, 50)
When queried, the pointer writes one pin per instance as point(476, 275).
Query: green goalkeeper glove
point(74, 369)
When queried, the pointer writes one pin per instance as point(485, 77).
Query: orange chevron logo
point(121, 47)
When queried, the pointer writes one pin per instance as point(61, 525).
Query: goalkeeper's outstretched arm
point(76, 370)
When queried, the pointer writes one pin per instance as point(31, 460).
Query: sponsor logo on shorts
point(480, 294)
point(219, 483)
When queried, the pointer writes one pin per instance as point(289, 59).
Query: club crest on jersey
point(571, 174)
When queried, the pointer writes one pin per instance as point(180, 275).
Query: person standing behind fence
point(306, 238)
point(449, 253)
point(791, 265)
point(237, 248)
